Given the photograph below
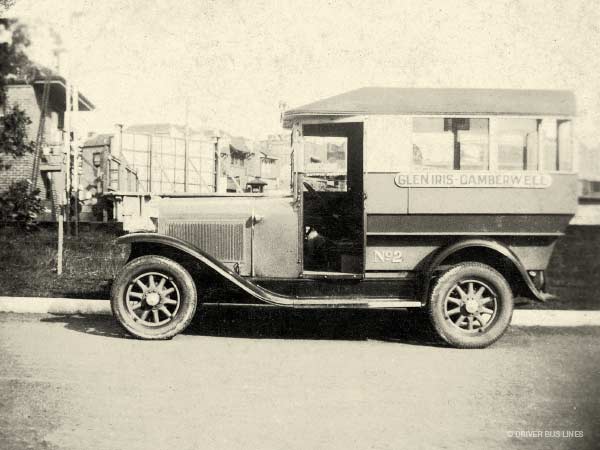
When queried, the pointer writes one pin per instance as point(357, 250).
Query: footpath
point(62, 306)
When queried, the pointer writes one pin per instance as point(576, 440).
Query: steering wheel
point(324, 204)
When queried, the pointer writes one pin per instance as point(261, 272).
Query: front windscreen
point(325, 163)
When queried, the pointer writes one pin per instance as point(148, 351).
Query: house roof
point(151, 128)
point(263, 155)
point(165, 128)
point(381, 100)
point(238, 144)
point(256, 182)
point(98, 140)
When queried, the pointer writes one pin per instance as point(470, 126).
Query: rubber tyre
point(180, 276)
point(451, 333)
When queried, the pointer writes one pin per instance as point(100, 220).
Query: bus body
point(450, 200)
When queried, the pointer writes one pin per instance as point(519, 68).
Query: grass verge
point(28, 263)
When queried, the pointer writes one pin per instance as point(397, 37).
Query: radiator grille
point(223, 240)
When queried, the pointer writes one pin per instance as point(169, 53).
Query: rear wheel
point(471, 305)
point(153, 297)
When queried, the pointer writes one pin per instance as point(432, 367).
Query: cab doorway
point(332, 200)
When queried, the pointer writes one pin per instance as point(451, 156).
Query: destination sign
point(473, 179)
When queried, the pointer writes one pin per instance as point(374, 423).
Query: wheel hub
point(471, 306)
point(152, 298)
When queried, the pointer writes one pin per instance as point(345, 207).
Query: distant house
point(276, 167)
point(103, 172)
point(250, 165)
point(268, 168)
point(237, 165)
point(51, 171)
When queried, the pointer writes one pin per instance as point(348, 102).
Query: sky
point(234, 61)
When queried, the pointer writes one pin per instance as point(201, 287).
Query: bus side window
point(450, 143)
point(565, 146)
point(548, 145)
point(517, 141)
point(555, 144)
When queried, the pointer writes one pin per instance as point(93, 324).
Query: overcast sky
point(138, 60)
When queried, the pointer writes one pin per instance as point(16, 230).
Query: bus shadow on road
point(96, 324)
point(278, 323)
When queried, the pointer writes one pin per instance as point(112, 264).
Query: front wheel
point(471, 305)
point(153, 297)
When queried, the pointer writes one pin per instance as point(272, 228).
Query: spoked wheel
point(471, 305)
point(154, 298)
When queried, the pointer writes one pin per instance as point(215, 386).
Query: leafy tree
point(13, 133)
point(14, 65)
point(19, 204)
point(14, 62)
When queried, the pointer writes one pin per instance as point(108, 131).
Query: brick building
point(28, 96)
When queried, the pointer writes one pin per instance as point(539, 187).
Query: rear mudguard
point(438, 259)
point(258, 292)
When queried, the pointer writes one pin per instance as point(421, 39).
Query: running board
point(371, 303)
point(260, 293)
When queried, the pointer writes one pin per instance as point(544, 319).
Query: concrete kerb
point(521, 317)
point(38, 305)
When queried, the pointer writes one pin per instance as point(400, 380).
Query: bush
point(21, 205)
point(13, 133)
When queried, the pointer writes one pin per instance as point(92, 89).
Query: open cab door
point(329, 186)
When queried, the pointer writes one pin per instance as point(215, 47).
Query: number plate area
point(381, 257)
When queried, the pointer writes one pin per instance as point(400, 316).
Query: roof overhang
point(239, 153)
point(58, 94)
point(263, 155)
point(404, 101)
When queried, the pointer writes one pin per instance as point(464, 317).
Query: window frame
point(493, 141)
point(444, 117)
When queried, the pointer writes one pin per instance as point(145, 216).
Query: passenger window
point(517, 141)
point(565, 147)
point(450, 143)
point(325, 163)
point(548, 143)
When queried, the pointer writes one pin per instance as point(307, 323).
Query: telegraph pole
point(68, 131)
point(65, 179)
point(186, 145)
point(76, 157)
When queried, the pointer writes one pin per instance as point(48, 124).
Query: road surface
point(262, 379)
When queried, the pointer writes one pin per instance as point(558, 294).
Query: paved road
point(272, 380)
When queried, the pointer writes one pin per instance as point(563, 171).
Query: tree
point(14, 65)
point(14, 62)
point(20, 204)
point(13, 133)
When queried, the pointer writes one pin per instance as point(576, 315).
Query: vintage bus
point(448, 200)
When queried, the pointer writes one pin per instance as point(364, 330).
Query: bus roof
point(399, 101)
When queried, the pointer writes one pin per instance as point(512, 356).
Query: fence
point(166, 164)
